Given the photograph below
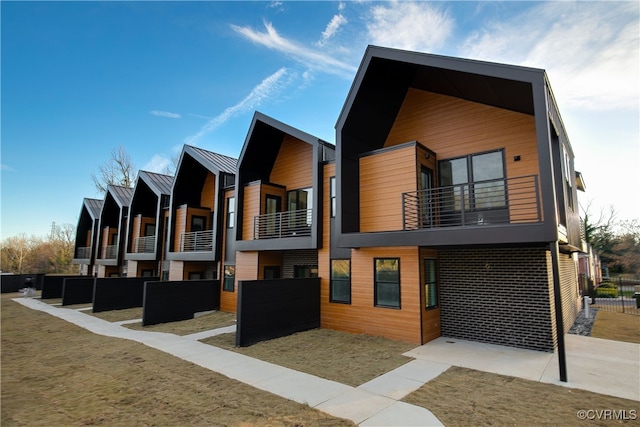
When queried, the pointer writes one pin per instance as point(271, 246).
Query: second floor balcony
point(196, 241)
point(500, 201)
point(144, 244)
point(83, 253)
point(280, 225)
point(110, 252)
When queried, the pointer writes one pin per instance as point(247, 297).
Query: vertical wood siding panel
point(250, 208)
point(294, 164)
point(207, 197)
point(180, 227)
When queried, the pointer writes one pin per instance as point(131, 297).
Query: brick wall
point(297, 257)
point(499, 296)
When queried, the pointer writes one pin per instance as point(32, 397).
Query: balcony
point(197, 241)
point(144, 245)
point(503, 201)
point(110, 252)
point(83, 253)
point(282, 224)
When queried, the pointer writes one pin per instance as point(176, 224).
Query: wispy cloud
point(409, 25)
point(332, 27)
point(7, 168)
point(165, 114)
point(310, 58)
point(589, 49)
point(158, 164)
point(268, 88)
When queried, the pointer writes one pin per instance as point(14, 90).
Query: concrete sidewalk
point(375, 403)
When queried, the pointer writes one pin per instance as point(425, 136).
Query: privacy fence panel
point(178, 300)
point(274, 308)
point(77, 290)
point(118, 293)
point(52, 285)
point(15, 282)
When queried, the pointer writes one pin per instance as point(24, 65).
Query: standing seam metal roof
point(213, 161)
point(159, 183)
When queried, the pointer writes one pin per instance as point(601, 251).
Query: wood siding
point(246, 266)
point(176, 270)
point(208, 195)
point(361, 316)
point(294, 164)
point(383, 179)
point(269, 259)
point(324, 252)
point(179, 227)
point(135, 231)
point(453, 127)
point(250, 209)
point(228, 300)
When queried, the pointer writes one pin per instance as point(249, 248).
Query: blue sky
point(82, 78)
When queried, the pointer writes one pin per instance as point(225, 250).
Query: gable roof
point(385, 75)
point(121, 195)
point(93, 206)
point(262, 144)
point(158, 183)
point(213, 161)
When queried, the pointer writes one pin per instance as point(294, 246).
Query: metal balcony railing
point(110, 252)
point(282, 224)
point(144, 244)
point(501, 201)
point(83, 253)
point(196, 241)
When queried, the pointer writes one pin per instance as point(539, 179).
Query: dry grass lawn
point(119, 315)
point(54, 373)
point(57, 374)
point(339, 356)
point(617, 327)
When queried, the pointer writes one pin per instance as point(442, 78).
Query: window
point(299, 200)
point(196, 275)
point(271, 272)
point(149, 229)
point(387, 282)
point(305, 271)
point(566, 173)
point(340, 286)
point(477, 181)
point(332, 195)
point(231, 212)
point(198, 223)
point(430, 283)
point(147, 273)
point(228, 283)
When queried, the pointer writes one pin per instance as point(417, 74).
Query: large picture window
point(340, 281)
point(387, 282)
point(477, 181)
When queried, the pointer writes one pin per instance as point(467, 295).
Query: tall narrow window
point(430, 283)
point(231, 212)
point(332, 195)
point(229, 278)
point(340, 281)
point(566, 169)
point(387, 282)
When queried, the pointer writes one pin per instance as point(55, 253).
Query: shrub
point(602, 292)
point(608, 285)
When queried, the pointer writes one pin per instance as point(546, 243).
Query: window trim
point(231, 214)
point(226, 277)
point(375, 284)
point(333, 207)
point(426, 283)
point(332, 279)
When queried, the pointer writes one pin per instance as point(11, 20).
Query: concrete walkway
point(375, 403)
point(601, 366)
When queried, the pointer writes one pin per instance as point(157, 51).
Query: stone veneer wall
point(498, 295)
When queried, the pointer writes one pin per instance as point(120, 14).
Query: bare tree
point(118, 170)
point(15, 251)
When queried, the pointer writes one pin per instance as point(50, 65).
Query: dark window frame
point(231, 212)
point(332, 196)
point(377, 282)
point(229, 280)
point(333, 280)
point(310, 268)
point(428, 301)
point(198, 217)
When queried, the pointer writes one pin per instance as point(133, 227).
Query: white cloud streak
point(165, 114)
point(268, 88)
point(332, 28)
point(589, 49)
point(310, 58)
point(158, 164)
point(409, 25)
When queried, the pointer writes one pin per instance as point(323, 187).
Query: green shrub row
point(606, 292)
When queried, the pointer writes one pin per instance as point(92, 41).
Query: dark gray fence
point(118, 293)
point(77, 290)
point(274, 308)
point(52, 286)
point(618, 295)
point(178, 300)
point(15, 282)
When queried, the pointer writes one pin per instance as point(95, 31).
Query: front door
point(430, 296)
point(426, 197)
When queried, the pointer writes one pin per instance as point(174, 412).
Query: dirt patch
point(351, 359)
point(55, 373)
point(617, 327)
point(206, 322)
point(465, 397)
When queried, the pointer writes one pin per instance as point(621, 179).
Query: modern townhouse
point(195, 235)
point(112, 232)
point(84, 251)
point(147, 225)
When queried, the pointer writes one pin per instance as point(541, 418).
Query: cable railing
point(196, 241)
point(144, 244)
point(282, 224)
point(501, 201)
